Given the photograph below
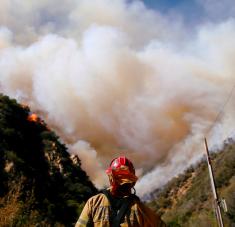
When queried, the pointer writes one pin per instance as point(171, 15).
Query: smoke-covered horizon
point(114, 77)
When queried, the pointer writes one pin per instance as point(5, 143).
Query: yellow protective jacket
point(97, 211)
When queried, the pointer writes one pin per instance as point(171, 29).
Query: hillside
point(187, 199)
point(39, 181)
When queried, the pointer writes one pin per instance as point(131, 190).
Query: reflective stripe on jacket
point(97, 211)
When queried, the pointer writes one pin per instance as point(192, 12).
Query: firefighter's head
point(122, 178)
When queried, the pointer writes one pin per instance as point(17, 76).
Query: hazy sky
point(143, 79)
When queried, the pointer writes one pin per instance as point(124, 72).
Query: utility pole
point(215, 195)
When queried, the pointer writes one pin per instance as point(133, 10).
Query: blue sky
point(165, 4)
point(190, 10)
point(195, 11)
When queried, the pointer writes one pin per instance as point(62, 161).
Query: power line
point(220, 113)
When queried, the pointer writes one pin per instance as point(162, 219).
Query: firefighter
point(118, 206)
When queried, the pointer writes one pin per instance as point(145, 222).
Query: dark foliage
point(49, 186)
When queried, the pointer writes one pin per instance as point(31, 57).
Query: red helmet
point(121, 171)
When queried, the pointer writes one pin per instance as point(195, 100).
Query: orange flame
point(33, 117)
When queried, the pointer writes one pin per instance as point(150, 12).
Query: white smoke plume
point(114, 77)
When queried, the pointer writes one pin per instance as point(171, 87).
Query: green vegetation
point(187, 199)
point(39, 182)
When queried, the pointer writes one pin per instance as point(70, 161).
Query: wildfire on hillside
point(33, 117)
point(109, 84)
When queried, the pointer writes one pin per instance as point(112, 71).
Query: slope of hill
point(187, 199)
point(40, 183)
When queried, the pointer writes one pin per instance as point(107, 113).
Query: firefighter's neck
point(120, 191)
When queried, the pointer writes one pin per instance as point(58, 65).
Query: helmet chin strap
point(122, 190)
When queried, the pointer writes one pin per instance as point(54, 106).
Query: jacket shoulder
point(97, 199)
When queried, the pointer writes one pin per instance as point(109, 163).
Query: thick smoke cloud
point(113, 77)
